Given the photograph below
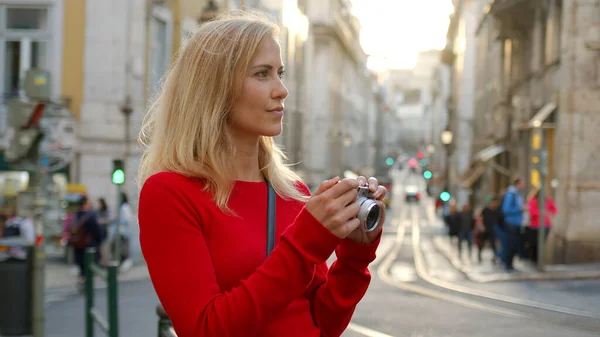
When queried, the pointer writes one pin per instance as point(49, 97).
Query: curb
point(552, 274)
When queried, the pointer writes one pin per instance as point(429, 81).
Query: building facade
point(439, 116)
point(339, 116)
point(410, 95)
point(537, 69)
point(461, 47)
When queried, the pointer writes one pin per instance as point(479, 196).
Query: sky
point(394, 31)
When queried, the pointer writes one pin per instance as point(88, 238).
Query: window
point(160, 46)
point(27, 18)
point(553, 31)
point(507, 62)
point(25, 42)
point(19, 56)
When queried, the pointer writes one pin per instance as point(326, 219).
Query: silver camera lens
point(370, 212)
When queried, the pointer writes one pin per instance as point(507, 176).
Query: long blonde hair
point(185, 129)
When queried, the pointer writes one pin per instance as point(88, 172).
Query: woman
point(203, 205)
point(125, 219)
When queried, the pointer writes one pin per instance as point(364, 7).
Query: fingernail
point(373, 187)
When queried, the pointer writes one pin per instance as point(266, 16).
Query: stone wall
point(577, 228)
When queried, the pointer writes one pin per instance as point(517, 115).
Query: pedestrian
point(512, 209)
point(125, 219)
point(490, 218)
point(452, 222)
point(465, 233)
point(104, 219)
point(84, 233)
point(208, 168)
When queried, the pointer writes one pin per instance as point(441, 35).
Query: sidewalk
point(487, 272)
point(59, 274)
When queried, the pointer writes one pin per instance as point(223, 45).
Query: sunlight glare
point(395, 31)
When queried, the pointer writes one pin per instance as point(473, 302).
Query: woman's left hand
point(379, 192)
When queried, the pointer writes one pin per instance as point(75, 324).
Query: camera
point(370, 212)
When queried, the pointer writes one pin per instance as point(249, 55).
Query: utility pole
point(126, 109)
point(39, 256)
point(539, 158)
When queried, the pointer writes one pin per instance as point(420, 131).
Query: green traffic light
point(389, 161)
point(423, 162)
point(445, 196)
point(427, 174)
point(118, 177)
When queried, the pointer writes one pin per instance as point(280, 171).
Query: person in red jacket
point(534, 211)
point(208, 159)
point(531, 233)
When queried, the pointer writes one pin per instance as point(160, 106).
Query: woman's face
point(259, 109)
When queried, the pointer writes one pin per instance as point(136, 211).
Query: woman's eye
point(261, 74)
point(281, 74)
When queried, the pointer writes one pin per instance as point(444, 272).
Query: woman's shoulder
point(170, 178)
point(172, 182)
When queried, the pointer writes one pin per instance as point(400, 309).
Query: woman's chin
point(273, 131)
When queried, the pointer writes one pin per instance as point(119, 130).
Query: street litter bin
point(16, 266)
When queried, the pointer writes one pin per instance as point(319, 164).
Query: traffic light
point(118, 173)
point(420, 155)
point(444, 196)
point(427, 174)
point(423, 162)
point(389, 161)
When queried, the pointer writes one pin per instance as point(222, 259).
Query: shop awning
point(76, 189)
point(489, 152)
point(472, 175)
point(538, 120)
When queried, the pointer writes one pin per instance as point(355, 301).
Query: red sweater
point(211, 274)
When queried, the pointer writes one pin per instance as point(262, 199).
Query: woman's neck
point(245, 162)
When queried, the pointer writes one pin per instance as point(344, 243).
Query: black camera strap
point(271, 198)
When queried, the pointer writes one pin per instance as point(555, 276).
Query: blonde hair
point(185, 129)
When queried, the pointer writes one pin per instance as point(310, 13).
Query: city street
point(415, 291)
point(411, 292)
point(478, 116)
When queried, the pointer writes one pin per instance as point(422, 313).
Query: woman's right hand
point(334, 205)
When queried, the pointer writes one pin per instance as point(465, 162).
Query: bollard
point(92, 315)
point(89, 293)
point(165, 327)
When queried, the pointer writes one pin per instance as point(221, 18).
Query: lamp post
point(446, 138)
point(126, 109)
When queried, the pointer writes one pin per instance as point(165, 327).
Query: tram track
point(427, 285)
